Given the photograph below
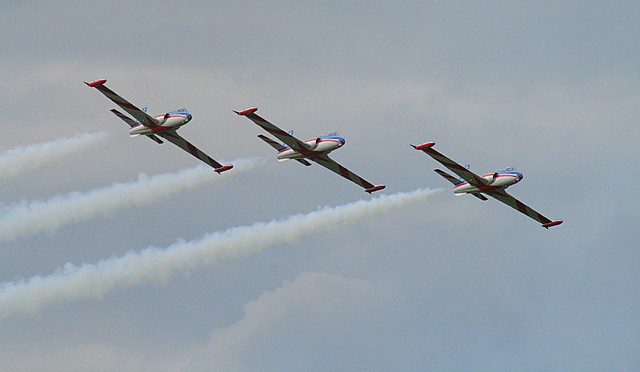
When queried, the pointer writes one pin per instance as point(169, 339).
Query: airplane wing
point(302, 147)
point(456, 181)
point(456, 168)
point(177, 140)
point(479, 196)
point(283, 136)
point(125, 118)
point(144, 118)
point(277, 146)
point(333, 166)
point(516, 204)
point(132, 124)
point(303, 162)
point(447, 176)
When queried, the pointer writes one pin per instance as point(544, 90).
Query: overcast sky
point(444, 283)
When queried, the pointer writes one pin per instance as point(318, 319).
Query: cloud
point(300, 324)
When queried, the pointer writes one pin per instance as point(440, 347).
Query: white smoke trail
point(28, 218)
point(158, 265)
point(25, 158)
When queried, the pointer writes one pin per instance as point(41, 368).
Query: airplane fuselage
point(169, 121)
point(496, 180)
point(317, 146)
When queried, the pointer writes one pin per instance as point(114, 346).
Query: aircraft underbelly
point(289, 154)
point(142, 130)
point(139, 131)
point(465, 189)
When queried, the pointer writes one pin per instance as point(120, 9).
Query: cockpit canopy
point(333, 134)
point(181, 109)
point(507, 169)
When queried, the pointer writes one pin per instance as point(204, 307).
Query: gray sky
point(451, 283)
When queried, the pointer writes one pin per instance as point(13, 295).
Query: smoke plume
point(158, 265)
point(38, 216)
point(25, 158)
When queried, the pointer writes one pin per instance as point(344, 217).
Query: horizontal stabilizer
point(302, 161)
point(277, 146)
point(132, 123)
point(155, 138)
point(447, 176)
point(480, 196)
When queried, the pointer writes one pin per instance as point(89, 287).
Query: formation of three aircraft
point(317, 150)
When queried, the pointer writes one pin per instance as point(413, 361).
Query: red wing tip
point(552, 223)
point(425, 145)
point(96, 82)
point(375, 188)
point(222, 169)
point(248, 111)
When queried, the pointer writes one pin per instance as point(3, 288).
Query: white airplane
point(492, 184)
point(163, 125)
point(315, 149)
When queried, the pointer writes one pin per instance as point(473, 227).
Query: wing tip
point(223, 168)
point(552, 224)
point(423, 146)
point(374, 188)
point(96, 83)
point(247, 111)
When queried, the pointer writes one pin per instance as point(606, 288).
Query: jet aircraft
point(315, 149)
point(163, 125)
point(492, 184)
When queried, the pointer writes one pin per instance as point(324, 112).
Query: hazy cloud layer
point(301, 321)
point(548, 87)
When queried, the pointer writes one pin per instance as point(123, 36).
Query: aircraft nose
point(520, 176)
point(342, 141)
